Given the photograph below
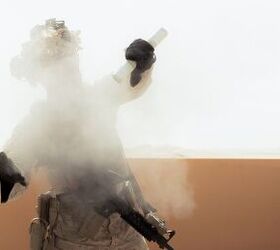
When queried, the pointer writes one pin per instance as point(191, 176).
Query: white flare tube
point(130, 65)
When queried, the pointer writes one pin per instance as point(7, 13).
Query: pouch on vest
point(39, 226)
point(37, 230)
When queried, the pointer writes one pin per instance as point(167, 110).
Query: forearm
point(126, 91)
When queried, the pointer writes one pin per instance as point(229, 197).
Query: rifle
point(150, 227)
point(116, 194)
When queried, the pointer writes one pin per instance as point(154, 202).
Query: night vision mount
point(55, 24)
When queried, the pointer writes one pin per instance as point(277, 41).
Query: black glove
point(9, 176)
point(142, 53)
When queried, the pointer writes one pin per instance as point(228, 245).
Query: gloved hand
point(142, 53)
point(9, 176)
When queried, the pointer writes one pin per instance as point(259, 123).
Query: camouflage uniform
point(84, 228)
point(86, 231)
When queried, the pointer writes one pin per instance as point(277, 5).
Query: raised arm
point(134, 77)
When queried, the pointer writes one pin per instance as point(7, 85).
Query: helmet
point(48, 43)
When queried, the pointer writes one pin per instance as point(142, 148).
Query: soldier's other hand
point(142, 53)
point(9, 176)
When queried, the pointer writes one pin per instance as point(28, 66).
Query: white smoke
point(166, 185)
point(75, 124)
point(74, 127)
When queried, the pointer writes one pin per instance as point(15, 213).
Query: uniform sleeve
point(127, 93)
point(119, 90)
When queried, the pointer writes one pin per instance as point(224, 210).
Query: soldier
point(72, 133)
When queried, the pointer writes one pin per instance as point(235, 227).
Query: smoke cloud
point(73, 129)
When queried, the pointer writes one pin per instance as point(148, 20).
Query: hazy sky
point(216, 81)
